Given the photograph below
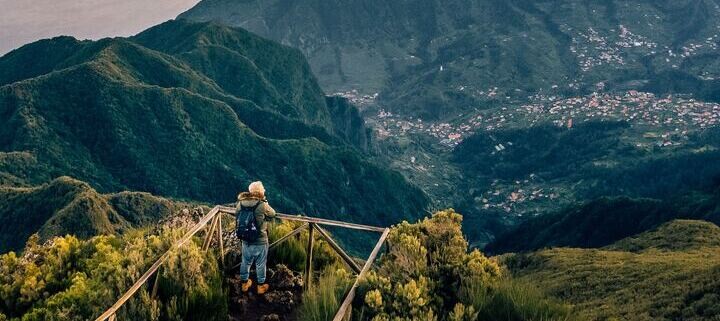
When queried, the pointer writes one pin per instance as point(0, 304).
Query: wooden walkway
point(211, 223)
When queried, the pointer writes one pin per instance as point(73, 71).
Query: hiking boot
point(262, 288)
point(246, 286)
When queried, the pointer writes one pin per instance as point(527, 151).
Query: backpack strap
point(252, 207)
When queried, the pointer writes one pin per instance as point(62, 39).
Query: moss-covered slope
point(670, 273)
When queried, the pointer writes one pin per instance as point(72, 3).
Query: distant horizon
point(23, 22)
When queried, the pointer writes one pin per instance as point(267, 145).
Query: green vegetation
point(446, 62)
point(604, 221)
point(593, 159)
point(191, 111)
point(72, 279)
point(322, 301)
point(292, 252)
point(196, 111)
point(429, 274)
point(67, 206)
point(670, 273)
point(587, 186)
point(675, 236)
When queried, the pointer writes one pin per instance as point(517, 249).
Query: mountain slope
point(659, 282)
point(603, 221)
point(585, 99)
point(432, 58)
point(68, 206)
point(125, 116)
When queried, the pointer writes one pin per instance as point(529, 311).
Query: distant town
point(674, 114)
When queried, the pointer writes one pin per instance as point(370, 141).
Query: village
point(674, 115)
point(592, 49)
point(659, 121)
point(663, 122)
point(508, 196)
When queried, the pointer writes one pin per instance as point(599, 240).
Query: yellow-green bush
point(429, 274)
point(71, 279)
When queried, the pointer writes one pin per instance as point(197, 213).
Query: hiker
point(252, 213)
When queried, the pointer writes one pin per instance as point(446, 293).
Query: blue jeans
point(257, 254)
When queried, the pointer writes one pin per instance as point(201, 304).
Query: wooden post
point(112, 317)
point(220, 241)
point(208, 231)
point(309, 257)
point(211, 231)
point(153, 294)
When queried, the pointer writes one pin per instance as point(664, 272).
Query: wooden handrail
point(309, 257)
point(311, 223)
point(279, 241)
point(135, 287)
point(342, 311)
point(316, 220)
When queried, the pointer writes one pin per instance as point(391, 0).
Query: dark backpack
point(246, 224)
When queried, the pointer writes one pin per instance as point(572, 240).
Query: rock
point(282, 278)
point(270, 317)
point(282, 299)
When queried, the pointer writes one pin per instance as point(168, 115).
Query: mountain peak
point(193, 111)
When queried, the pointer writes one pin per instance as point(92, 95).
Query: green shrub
point(430, 274)
point(70, 279)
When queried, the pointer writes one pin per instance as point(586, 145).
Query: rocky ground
point(279, 304)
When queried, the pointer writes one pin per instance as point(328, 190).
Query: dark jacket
point(263, 213)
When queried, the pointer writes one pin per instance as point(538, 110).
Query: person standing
point(252, 213)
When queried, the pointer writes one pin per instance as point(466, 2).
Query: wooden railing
point(212, 223)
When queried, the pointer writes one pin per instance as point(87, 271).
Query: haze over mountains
point(433, 58)
point(22, 22)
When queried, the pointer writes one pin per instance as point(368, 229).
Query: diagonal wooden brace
point(348, 260)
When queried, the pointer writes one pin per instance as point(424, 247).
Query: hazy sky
point(25, 21)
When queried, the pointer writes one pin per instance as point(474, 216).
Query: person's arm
point(267, 210)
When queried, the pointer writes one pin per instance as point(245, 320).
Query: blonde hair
point(256, 187)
